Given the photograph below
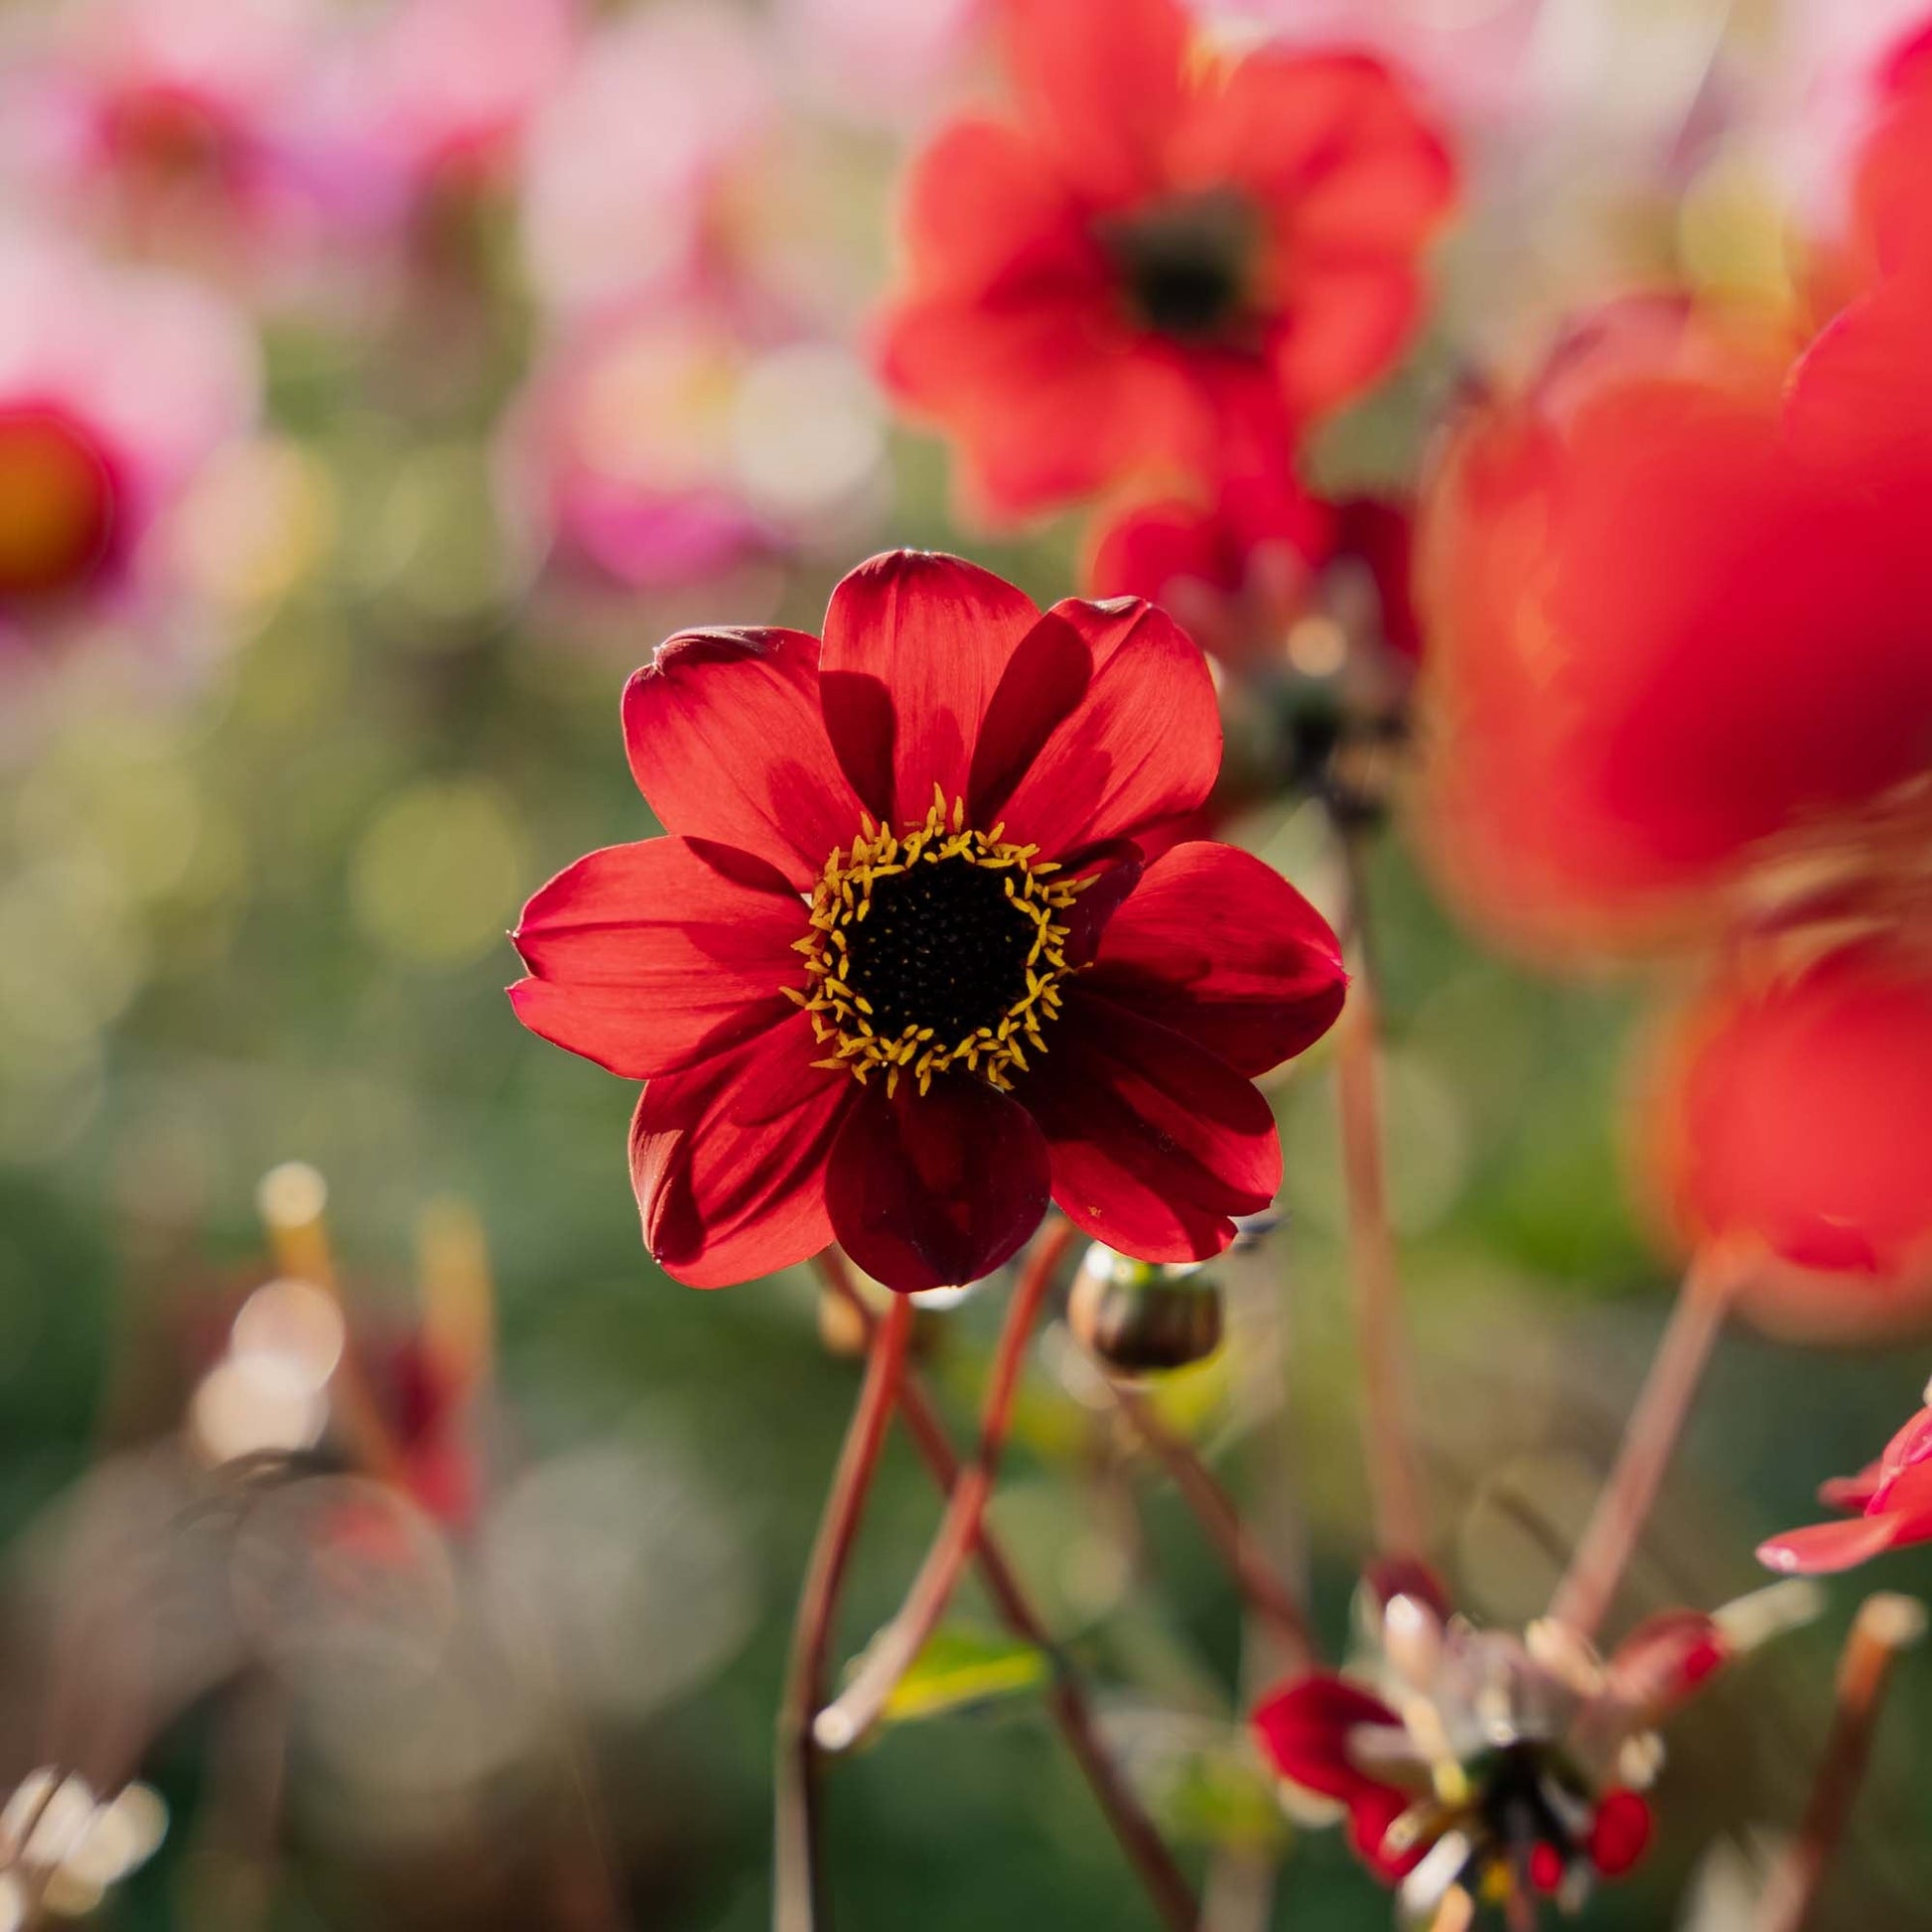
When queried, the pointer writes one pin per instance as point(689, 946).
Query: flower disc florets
point(941, 948)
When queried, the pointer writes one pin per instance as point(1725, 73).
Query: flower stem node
point(1140, 1320)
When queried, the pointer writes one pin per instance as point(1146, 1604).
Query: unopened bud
point(1142, 1320)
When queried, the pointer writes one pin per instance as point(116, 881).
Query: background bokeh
point(264, 833)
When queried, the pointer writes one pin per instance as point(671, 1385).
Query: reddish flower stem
point(1885, 1625)
point(799, 1901)
point(1260, 1588)
point(1394, 1488)
point(890, 1656)
point(1583, 1596)
point(1137, 1838)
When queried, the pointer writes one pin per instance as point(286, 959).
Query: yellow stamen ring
point(843, 1016)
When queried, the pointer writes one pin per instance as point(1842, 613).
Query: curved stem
point(799, 1902)
point(1260, 1588)
point(1885, 1625)
point(1395, 1491)
point(842, 1724)
point(1135, 1832)
point(1582, 1598)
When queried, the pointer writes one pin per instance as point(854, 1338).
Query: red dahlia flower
point(1471, 1760)
point(1892, 1499)
point(1678, 653)
point(1168, 256)
point(899, 972)
point(1789, 1115)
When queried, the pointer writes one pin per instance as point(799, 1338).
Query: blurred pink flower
point(175, 126)
point(883, 62)
point(625, 156)
point(117, 387)
point(437, 96)
point(678, 434)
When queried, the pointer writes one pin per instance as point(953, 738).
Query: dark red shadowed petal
point(728, 1161)
point(1100, 86)
point(1824, 1549)
point(1381, 537)
point(1112, 871)
point(727, 741)
point(647, 958)
point(915, 647)
point(1664, 1659)
point(1068, 765)
point(930, 1190)
point(1156, 1145)
point(1619, 1834)
point(1305, 1729)
point(1222, 949)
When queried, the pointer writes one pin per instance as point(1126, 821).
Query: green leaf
point(960, 1666)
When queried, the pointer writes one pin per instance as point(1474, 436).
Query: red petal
point(1305, 1727)
point(1100, 84)
point(649, 957)
point(1346, 324)
point(1222, 949)
point(1142, 744)
point(726, 742)
point(1793, 1113)
point(1619, 1834)
point(1665, 1658)
point(1851, 1493)
point(982, 205)
point(728, 1161)
point(1156, 1145)
point(1154, 546)
point(1860, 398)
point(915, 647)
point(1822, 1549)
point(1286, 124)
point(934, 1190)
point(1030, 381)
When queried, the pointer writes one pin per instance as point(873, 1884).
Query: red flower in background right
point(1678, 698)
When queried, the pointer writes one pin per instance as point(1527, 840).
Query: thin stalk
point(1260, 1588)
point(1394, 1488)
point(1067, 1698)
point(843, 1722)
point(1886, 1625)
point(801, 1903)
point(1583, 1596)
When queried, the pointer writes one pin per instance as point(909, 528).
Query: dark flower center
point(943, 946)
point(1187, 264)
point(1520, 1794)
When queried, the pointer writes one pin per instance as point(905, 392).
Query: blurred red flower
point(1480, 1762)
point(1676, 646)
point(1893, 1501)
point(899, 972)
point(1790, 1114)
point(1241, 569)
point(1171, 258)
